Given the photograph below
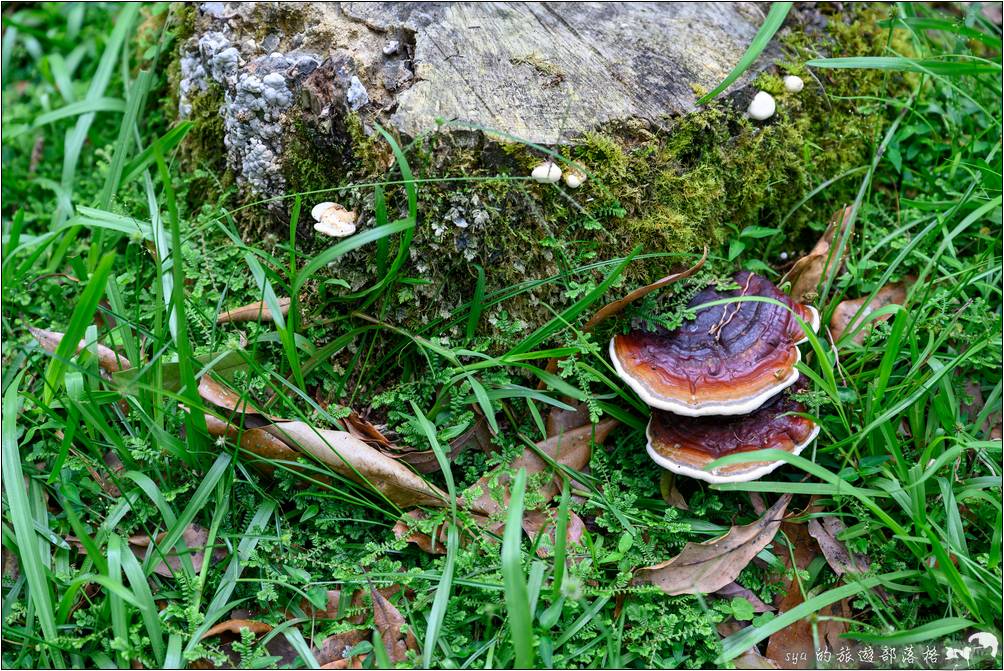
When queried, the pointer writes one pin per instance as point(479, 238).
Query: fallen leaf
point(825, 531)
point(224, 398)
point(11, 566)
point(352, 458)
point(794, 647)
point(536, 522)
point(425, 461)
point(364, 430)
point(821, 263)
point(734, 589)
point(759, 507)
point(750, 659)
point(389, 622)
point(330, 654)
point(253, 312)
point(702, 568)
point(562, 421)
point(571, 449)
point(670, 494)
point(992, 424)
point(234, 627)
point(106, 482)
point(256, 441)
point(611, 309)
point(109, 360)
point(195, 538)
point(841, 321)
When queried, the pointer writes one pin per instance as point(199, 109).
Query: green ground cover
point(111, 237)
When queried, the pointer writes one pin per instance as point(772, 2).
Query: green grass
point(107, 237)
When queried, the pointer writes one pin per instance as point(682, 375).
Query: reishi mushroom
point(727, 361)
point(717, 384)
point(686, 445)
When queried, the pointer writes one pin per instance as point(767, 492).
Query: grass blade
point(517, 598)
point(24, 527)
point(775, 17)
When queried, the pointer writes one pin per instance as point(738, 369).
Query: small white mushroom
point(546, 173)
point(333, 220)
point(762, 106)
point(793, 84)
point(574, 179)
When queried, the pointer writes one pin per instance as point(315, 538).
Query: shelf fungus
point(715, 383)
point(729, 360)
point(687, 445)
point(333, 220)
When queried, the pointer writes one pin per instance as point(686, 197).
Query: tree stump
point(288, 99)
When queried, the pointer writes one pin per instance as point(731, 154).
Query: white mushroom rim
point(814, 323)
point(736, 407)
point(709, 476)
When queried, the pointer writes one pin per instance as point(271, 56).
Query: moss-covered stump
point(289, 97)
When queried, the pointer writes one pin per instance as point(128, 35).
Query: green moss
point(670, 190)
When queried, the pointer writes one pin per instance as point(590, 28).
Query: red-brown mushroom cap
point(728, 361)
point(686, 445)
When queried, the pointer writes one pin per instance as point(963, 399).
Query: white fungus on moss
point(546, 173)
point(793, 84)
point(333, 220)
point(762, 106)
point(574, 179)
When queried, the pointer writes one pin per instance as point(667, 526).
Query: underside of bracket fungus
point(686, 445)
point(729, 360)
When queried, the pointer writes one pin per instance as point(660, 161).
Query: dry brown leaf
point(195, 538)
point(389, 622)
point(256, 441)
point(734, 589)
point(11, 566)
point(536, 522)
point(346, 663)
point(571, 449)
point(992, 424)
point(815, 267)
point(670, 494)
point(425, 461)
point(825, 531)
point(234, 627)
point(106, 482)
point(751, 659)
point(253, 312)
point(611, 309)
point(702, 568)
point(364, 430)
point(840, 322)
point(794, 647)
point(351, 457)
point(109, 360)
point(562, 421)
point(330, 654)
point(220, 396)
